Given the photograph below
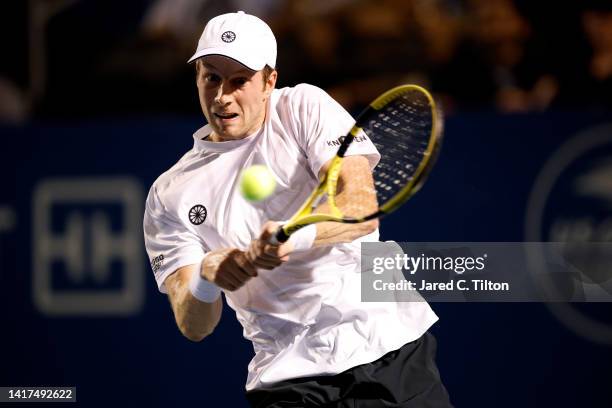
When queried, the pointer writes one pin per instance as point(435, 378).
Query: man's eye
point(240, 81)
point(212, 78)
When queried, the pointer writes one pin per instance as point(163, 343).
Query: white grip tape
point(202, 289)
point(304, 238)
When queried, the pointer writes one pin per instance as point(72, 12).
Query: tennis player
point(315, 342)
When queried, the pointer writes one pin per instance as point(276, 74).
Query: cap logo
point(228, 36)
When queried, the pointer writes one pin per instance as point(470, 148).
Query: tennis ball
point(257, 183)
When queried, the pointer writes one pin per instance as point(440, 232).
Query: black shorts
point(407, 377)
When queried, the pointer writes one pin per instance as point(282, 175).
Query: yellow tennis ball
point(257, 183)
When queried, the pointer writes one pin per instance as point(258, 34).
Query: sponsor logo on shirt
point(157, 262)
point(337, 142)
point(197, 214)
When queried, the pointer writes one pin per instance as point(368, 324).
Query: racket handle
point(278, 237)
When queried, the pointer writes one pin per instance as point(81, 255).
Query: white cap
point(239, 36)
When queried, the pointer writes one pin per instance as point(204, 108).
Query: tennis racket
point(406, 129)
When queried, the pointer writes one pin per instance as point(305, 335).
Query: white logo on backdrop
point(86, 246)
point(590, 221)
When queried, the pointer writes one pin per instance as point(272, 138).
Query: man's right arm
point(227, 268)
point(194, 318)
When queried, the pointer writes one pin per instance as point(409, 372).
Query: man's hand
point(228, 268)
point(264, 255)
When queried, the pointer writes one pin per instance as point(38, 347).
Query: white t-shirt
point(304, 317)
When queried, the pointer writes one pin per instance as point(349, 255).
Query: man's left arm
point(355, 196)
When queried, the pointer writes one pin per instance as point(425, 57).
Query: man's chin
point(226, 133)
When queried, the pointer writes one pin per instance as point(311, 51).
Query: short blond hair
point(266, 71)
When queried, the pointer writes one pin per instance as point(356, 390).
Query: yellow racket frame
point(329, 181)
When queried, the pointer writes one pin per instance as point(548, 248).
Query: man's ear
point(198, 66)
point(271, 83)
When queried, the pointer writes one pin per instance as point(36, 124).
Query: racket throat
point(331, 185)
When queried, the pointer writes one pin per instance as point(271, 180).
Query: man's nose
point(223, 93)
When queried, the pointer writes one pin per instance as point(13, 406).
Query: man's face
point(233, 98)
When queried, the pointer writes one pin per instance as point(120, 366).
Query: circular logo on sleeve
point(197, 214)
point(228, 36)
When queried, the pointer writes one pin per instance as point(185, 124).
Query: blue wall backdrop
point(79, 305)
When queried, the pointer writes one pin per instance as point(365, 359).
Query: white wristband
point(202, 289)
point(304, 238)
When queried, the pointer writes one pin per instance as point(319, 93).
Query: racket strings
point(360, 199)
point(401, 132)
